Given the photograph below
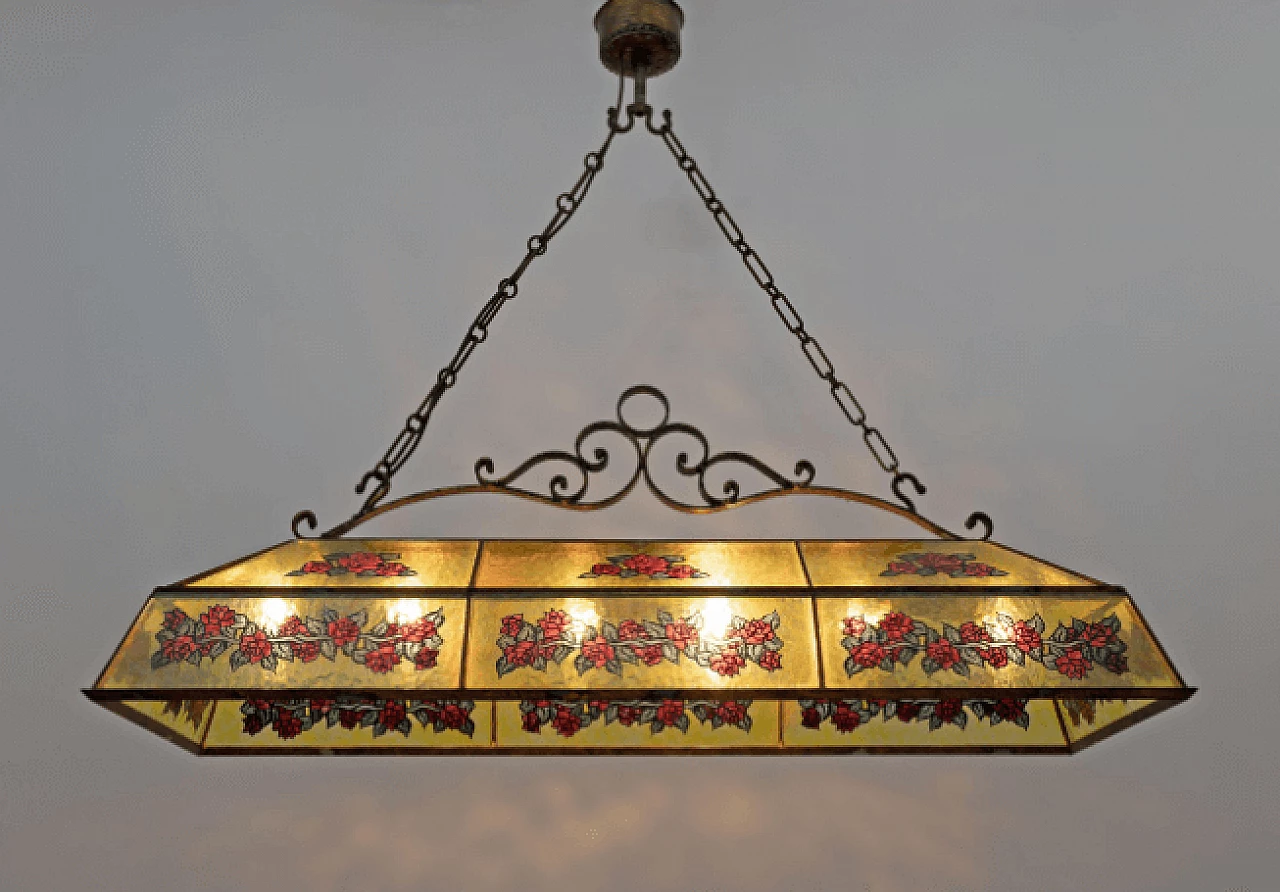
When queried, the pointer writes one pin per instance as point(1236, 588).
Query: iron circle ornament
point(637, 390)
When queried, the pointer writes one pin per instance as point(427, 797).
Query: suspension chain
point(403, 446)
point(848, 403)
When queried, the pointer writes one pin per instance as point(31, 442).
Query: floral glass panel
point(314, 563)
point(1025, 641)
point(642, 643)
point(651, 723)
point(350, 723)
point(935, 723)
point(531, 564)
point(216, 641)
point(917, 564)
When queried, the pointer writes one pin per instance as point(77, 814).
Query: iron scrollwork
point(584, 464)
point(569, 487)
point(587, 462)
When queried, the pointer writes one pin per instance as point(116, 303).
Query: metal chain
point(848, 403)
point(403, 446)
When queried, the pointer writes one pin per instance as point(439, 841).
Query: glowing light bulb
point(1000, 607)
point(717, 614)
point(404, 611)
point(274, 612)
point(583, 613)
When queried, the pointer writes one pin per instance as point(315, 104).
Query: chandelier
point(334, 644)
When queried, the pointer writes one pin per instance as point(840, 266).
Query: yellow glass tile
point(350, 724)
point(185, 718)
point(861, 635)
point(380, 563)
point(923, 564)
point(277, 643)
point(642, 643)
point(1084, 718)
point(916, 724)
point(511, 563)
point(650, 724)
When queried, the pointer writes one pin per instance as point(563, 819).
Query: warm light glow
point(274, 612)
point(405, 610)
point(871, 616)
point(583, 613)
point(1000, 607)
point(717, 614)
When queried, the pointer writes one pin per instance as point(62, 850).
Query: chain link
point(844, 398)
point(567, 203)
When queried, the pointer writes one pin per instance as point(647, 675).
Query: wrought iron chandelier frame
point(559, 494)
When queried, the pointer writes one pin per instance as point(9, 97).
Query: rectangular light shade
point(533, 646)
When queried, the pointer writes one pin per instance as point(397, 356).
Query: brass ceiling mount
point(639, 35)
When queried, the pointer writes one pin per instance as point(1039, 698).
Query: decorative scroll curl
point(569, 485)
point(584, 462)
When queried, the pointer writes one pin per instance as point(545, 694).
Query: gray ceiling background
point(1039, 239)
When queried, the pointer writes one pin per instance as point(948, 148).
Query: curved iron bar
point(919, 487)
point(303, 516)
point(489, 488)
point(586, 461)
point(980, 517)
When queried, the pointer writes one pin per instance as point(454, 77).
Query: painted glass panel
point(220, 642)
point(382, 563)
point(988, 641)
point(350, 723)
point(187, 719)
point(925, 564)
point(926, 723)
point(653, 723)
point(532, 564)
point(645, 643)
point(1086, 719)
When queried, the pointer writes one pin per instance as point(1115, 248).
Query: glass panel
point(533, 564)
point(928, 563)
point(364, 724)
point(930, 724)
point(645, 643)
point(988, 641)
point(219, 642)
point(1087, 720)
point(385, 563)
point(350, 723)
point(638, 724)
point(186, 719)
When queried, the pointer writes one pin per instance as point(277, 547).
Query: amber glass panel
point(653, 724)
point(357, 723)
point(988, 641)
point(536, 564)
point(382, 563)
point(1087, 720)
point(221, 642)
point(929, 563)
point(914, 724)
point(642, 643)
point(186, 719)
point(367, 724)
